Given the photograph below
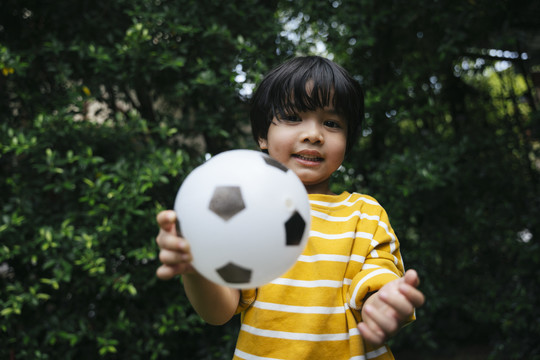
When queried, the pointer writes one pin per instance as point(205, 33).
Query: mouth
point(308, 157)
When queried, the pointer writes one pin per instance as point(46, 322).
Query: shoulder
point(361, 199)
point(368, 205)
point(345, 203)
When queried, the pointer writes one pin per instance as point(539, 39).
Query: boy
point(347, 293)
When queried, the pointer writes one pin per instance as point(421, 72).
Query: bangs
point(303, 91)
point(308, 87)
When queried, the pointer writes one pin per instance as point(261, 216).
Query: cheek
point(277, 151)
point(277, 139)
point(340, 147)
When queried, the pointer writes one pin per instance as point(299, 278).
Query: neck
point(321, 188)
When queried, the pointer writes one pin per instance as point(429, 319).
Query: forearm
point(216, 304)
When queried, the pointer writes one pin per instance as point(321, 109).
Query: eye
point(333, 124)
point(290, 118)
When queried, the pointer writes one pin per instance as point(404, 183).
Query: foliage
point(107, 106)
point(170, 60)
point(77, 250)
point(452, 153)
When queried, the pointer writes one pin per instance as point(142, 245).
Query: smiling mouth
point(308, 158)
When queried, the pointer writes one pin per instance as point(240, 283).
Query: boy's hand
point(389, 308)
point(174, 253)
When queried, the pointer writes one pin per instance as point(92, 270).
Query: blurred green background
point(105, 106)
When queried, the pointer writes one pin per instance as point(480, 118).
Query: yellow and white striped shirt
point(311, 312)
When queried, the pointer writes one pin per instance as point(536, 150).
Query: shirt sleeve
point(377, 242)
point(247, 297)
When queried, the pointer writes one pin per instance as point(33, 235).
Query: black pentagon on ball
point(294, 229)
point(234, 274)
point(274, 163)
point(227, 201)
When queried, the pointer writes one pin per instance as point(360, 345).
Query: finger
point(375, 330)
point(373, 337)
point(172, 242)
point(165, 272)
point(411, 277)
point(384, 319)
point(169, 257)
point(413, 295)
point(167, 221)
point(401, 305)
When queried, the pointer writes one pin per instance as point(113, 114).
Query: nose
point(312, 132)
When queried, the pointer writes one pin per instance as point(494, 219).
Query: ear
point(263, 144)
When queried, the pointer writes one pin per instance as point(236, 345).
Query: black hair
point(283, 91)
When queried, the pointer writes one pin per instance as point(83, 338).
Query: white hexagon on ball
point(246, 217)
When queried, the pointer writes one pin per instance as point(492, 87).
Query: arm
point(216, 304)
point(384, 298)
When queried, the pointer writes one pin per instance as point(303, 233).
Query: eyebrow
point(331, 111)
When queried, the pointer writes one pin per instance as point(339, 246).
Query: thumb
point(411, 278)
point(167, 221)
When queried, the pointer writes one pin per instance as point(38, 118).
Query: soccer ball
point(246, 217)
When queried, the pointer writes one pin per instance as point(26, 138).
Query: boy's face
point(312, 144)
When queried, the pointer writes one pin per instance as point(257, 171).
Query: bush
point(465, 212)
point(77, 255)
